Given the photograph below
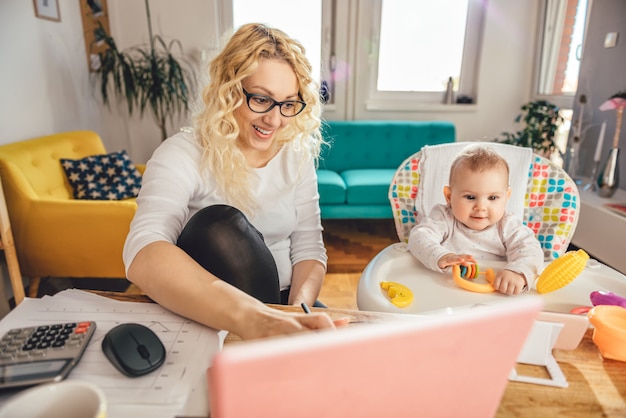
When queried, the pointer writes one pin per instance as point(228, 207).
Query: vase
point(608, 180)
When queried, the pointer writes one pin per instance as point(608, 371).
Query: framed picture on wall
point(47, 9)
point(95, 16)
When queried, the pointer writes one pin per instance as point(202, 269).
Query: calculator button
point(81, 329)
point(73, 343)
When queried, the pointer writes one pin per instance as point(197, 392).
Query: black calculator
point(42, 353)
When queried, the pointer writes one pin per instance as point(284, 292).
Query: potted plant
point(542, 120)
point(145, 77)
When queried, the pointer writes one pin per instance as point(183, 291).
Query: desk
point(597, 386)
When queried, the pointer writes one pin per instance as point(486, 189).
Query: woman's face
point(257, 131)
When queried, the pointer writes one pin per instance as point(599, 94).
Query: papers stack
point(177, 388)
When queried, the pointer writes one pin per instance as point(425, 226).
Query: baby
point(475, 225)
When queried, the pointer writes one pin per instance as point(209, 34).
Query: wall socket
point(610, 40)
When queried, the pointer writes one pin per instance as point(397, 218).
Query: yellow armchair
point(56, 235)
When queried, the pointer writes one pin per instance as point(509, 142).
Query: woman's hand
point(271, 322)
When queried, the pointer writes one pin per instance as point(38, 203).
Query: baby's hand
point(455, 259)
point(509, 282)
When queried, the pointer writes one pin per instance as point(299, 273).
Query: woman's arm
point(173, 279)
point(306, 282)
point(308, 253)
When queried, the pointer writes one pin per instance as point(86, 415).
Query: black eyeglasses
point(259, 103)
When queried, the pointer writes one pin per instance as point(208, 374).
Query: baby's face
point(478, 199)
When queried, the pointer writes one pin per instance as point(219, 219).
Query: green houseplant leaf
point(541, 121)
point(150, 77)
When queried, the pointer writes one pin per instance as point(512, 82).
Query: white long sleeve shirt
point(508, 240)
point(173, 190)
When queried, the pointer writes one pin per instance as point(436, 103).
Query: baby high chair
point(543, 195)
point(550, 197)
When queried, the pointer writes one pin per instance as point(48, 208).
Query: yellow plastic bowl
point(609, 332)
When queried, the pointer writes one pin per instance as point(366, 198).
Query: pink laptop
point(437, 366)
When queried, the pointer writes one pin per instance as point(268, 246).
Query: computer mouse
point(133, 349)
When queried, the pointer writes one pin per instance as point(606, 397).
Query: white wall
point(192, 22)
point(45, 85)
point(42, 79)
point(602, 74)
point(506, 69)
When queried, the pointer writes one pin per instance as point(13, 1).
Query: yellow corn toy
point(562, 271)
point(399, 294)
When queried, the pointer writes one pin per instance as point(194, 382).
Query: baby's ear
point(447, 193)
point(508, 192)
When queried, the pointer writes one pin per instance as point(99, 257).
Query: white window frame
point(368, 43)
point(329, 44)
point(554, 14)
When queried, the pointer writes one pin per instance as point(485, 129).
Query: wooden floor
point(351, 244)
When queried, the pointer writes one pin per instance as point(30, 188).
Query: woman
point(228, 215)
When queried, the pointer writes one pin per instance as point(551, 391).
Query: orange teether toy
point(471, 272)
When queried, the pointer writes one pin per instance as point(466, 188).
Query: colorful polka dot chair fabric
point(551, 203)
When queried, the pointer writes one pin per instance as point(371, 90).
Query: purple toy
point(600, 297)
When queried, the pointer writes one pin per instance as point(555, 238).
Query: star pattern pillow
point(110, 176)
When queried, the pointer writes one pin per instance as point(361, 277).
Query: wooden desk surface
point(597, 386)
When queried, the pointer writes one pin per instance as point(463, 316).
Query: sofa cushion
point(368, 186)
point(378, 144)
point(103, 177)
point(332, 188)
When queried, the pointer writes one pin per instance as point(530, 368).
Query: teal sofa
point(357, 167)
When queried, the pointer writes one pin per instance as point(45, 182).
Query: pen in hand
point(305, 307)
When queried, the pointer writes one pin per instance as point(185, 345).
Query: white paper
point(163, 393)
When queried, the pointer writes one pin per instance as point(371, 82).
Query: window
point(414, 46)
point(401, 59)
point(358, 48)
point(560, 51)
point(561, 48)
point(287, 16)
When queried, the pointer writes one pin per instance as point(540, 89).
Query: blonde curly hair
point(215, 125)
